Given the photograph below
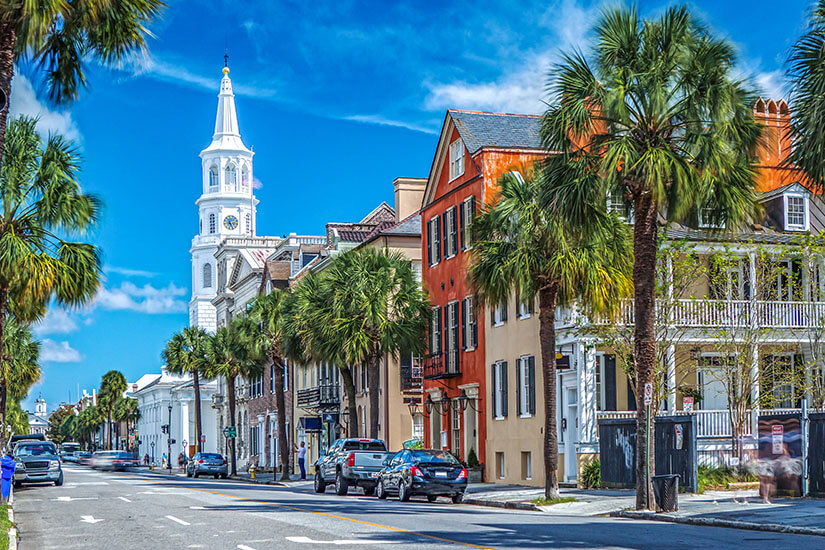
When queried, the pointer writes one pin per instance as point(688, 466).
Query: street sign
point(680, 440)
point(648, 393)
point(203, 438)
point(777, 437)
point(687, 404)
point(230, 432)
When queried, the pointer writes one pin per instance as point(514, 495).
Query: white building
point(39, 420)
point(169, 400)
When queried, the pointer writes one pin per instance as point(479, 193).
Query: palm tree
point(806, 71)
point(126, 410)
point(60, 36)
point(185, 353)
point(112, 387)
point(41, 207)
point(272, 311)
point(88, 422)
point(19, 362)
point(232, 352)
point(521, 247)
point(655, 117)
point(377, 308)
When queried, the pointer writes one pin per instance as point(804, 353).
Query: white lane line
point(173, 518)
point(307, 540)
point(89, 519)
point(71, 499)
point(197, 508)
point(244, 547)
point(124, 499)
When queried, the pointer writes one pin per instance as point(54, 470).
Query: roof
point(794, 187)
point(745, 237)
point(410, 226)
point(510, 131)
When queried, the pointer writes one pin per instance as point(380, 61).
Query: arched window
point(245, 179)
point(212, 226)
point(214, 181)
point(231, 182)
point(207, 275)
point(248, 219)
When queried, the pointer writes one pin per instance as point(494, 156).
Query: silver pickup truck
point(351, 462)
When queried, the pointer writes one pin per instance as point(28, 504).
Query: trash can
point(666, 491)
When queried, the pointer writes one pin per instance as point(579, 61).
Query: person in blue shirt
point(7, 467)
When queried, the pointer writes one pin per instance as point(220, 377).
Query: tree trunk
point(349, 387)
point(230, 389)
point(8, 37)
point(374, 383)
point(280, 409)
point(4, 298)
point(645, 236)
point(547, 341)
point(109, 430)
point(196, 385)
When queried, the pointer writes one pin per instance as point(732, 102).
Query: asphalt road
point(149, 511)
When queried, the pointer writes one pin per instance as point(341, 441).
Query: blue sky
point(337, 99)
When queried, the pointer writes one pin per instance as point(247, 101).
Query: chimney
point(94, 396)
point(409, 193)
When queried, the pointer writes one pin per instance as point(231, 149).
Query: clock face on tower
point(230, 222)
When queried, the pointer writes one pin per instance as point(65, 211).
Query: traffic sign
point(230, 432)
point(203, 438)
point(648, 393)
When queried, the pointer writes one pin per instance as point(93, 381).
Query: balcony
point(319, 397)
point(412, 377)
point(442, 365)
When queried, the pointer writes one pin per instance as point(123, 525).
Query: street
point(140, 510)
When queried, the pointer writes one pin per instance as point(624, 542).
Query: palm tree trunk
point(373, 378)
point(109, 430)
point(4, 297)
point(645, 237)
point(230, 389)
point(280, 410)
point(8, 38)
point(547, 341)
point(349, 387)
point(198, 430)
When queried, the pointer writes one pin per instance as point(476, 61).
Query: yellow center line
point(296, 509)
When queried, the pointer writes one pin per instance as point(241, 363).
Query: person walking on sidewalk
point(8, 466)
point(302, 455)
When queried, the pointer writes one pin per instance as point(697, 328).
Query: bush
point(472, 459)
point(543, 501)
point(718, 478)
point(592, 475)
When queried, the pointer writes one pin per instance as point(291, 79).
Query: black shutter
point(518, 305)
point(464, 323)
point(531, 381)
point(445, 337)
point(454, 337)
point(518, 388)
point(429, 242)
point(504, 380)
point(454, 229)
point(493, 393)
point(475, 326)
point(437, 239)
point(610, 382)
point(461, 225)
point(631, 397)
point(504, 310)
point(446, 226)
point(469, 221)
point(493, 315)
point(438, 333)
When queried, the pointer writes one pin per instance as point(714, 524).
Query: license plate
point(375, 474)
point(441, 474)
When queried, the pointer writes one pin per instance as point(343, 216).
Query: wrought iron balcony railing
point(324, 395)
point(442, 365)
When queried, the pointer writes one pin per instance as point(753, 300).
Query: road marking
point(173, 518)
point(124, 499)
point(70, 499)
point(73, 483)
point(89, 519)
point(244, 547)
point(197, 508)
point(307, 540)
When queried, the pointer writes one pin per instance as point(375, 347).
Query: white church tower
point(226, 207)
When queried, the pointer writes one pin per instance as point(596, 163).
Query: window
point(500, 465)
point(450, 233)
point(418, 427)
point(286, 375)
point(416, 268)
point(706, 219)
point(456, 159)
point(526, 465)
point(456, 425)
point(498, 314)
point(451, 336)
point(796, 212)
point(363, 378)
point(254, 448)
point(231, 182)
point(466, 217)
point(617, 204)
point(248, 222)
point(207, 275)
point(434, 240)
point(526, 386)
point(499, 389)
point(214, 181)
point(435, 331)
point(524, 308)
point(244, 178)
point(469, 324)
point(256, 386)
point(212, 224)
point(272, 378)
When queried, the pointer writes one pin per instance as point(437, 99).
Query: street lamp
point(414, 406)
point(464, 401)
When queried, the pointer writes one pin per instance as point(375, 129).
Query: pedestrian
point(7, 465)
point(163, 462)
point(146, 459)
point(302, 455)
point(181, 461)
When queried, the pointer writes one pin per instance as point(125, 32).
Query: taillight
point(415, 471)
point(462, 474)
point(351, 460)
point(224, 462)
point(200, 461)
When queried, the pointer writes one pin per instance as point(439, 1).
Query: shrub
point(472, 459)
point(543, 501)
point(719, 478)
point(592, 475)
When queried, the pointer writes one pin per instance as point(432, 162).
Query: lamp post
point(169, 439)
point(152, 444)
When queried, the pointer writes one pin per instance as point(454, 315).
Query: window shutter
point(493, 368)
point(446, 327)
point(454, 230)
point(518, 306)
point(438, 332)
point(631, 397)
point(518, 387)
point(504, 310)
point(446, 234)
point(610, 382)
point(531, 381)
point(462, 225)
point(474, 328)
point(437, 239)
point(430, 242)
point(464, 323)
point(504, 406)
point(493, 315)
point(454, 336)
point(470, 218)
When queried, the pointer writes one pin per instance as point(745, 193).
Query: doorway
point(570, 425)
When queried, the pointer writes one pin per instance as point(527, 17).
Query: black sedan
point(429, 472)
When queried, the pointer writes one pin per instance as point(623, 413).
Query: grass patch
point(543, 501)
point(718, 478)
point(5, 525)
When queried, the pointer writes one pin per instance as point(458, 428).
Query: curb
point(259, 482)
point(501, 504)
point(13, 528)
point(712, 522)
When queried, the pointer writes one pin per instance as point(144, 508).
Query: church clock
point(230, 222)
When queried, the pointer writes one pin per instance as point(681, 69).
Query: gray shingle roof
point(408, 227)
point(479, 130)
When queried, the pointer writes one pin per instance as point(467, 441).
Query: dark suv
point(37, 461)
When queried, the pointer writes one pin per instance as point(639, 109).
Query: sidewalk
point(588, 502)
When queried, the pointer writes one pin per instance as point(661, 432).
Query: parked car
point(84, 457)
point(15, 439)
point(37, 461)
point(429, 472)
point(112, 460)
point(351, 462)
point(211, 464)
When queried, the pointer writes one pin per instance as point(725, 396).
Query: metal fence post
point(805, 438)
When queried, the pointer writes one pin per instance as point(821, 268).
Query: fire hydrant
point(252, 472)
point(152, 467)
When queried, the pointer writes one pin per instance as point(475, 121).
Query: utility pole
point(169, 438)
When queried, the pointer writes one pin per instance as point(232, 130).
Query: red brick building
point(474, 150)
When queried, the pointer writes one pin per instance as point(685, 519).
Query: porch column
point(755, 390)
point(671, 379)
point(588, 423)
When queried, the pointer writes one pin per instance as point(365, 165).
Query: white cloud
point(378, 119)
point(772, 84)
point(130, 272)
point(24, 102)
point(56, 321)
point(58, 352)
point(143, 299)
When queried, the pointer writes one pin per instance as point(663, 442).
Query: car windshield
point(35, 450)
point(434, 456)
point(364, 446)
point(211, 456)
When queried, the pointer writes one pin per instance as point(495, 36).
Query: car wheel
point(188, 473)
point(59, 481)
point(17, 484)
point(341, 485)
point(431, 498)
point(369, 490)
point(382, 494)
point(223, 476)
point(216, 476)
point(320, 486)
point(403, 491)
point(457, 499)
point(197, 474)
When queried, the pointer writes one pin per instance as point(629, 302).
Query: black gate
point(675, 450)
point(816, 454)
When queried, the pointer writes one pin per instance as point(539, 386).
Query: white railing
point(733, 313)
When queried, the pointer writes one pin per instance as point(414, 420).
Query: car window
point(434, 457)
point(210, 456)
point(35, 449)
point(365, 446)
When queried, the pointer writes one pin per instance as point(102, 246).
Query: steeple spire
point(227, 134)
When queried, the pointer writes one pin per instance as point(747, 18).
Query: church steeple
point(227, 135)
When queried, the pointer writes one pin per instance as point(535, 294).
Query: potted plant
point(474, 468)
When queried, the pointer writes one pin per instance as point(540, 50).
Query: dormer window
point(456, 159)
point(796, 212)
point(616, 204)
point(706, 216)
